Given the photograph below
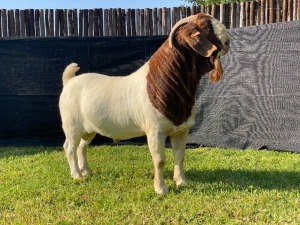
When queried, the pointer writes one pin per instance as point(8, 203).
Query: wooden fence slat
point(47, 22)
point(17, 22)
point(227, 13)
point(222, 13)
point(242, 14)
point(42, 23)
point(132, 19)
point(169, 26)
point(56, 22)
point(150, 23)
point(70, 22)
point(278, 11)
point(37, 22)
point(4, 23)
point(91, 22)
point(183, 11)
point(11, 23)
point(22, 23)
point(51, 22)
point(147, 21)
point(65, 22)
point(128, 19)
point(119, 22)
point(138, 21)
point(31, 22)
point(61, 22)
point(96, 22)
point(155, 27)
point(290, 10)
point(80, 23)
point(142, 22)
point(27, 22)
point(164, 21)
point(85, 22)
point(101, 22)
point(159, 21)
point(105, 22)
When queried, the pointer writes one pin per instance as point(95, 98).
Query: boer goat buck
point(157, 100)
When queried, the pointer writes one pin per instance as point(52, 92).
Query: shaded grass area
point(225, 187)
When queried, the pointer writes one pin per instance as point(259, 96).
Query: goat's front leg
point(156, 143)
point(178, 142)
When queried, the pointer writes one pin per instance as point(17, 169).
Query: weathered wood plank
point(147, 21)
point(155, 27)
point(159, 21)
point(17, 22)
point(11, 23)
point(4, 23)
point(132, 19)
point(119, 22)
point(85, 22)
point(91, 22)
point(42, 23)
point(37, 23)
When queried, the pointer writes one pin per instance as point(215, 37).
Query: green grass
point(225, 187)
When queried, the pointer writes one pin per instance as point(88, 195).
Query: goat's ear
point(200, 44)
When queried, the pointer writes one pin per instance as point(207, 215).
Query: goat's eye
point(227, 42)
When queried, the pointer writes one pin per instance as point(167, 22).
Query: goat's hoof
point(180, 181)
point(86, 173)
point(161, 190)
point(76, 176)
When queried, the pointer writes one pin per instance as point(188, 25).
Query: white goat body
point(120, 108)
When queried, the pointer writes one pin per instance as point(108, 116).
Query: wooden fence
point(132, 22)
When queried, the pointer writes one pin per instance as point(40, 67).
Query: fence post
point(42, 22)
point(37, 22)
point(11, 23)
point(4, 23)
point(147, 21)
point(159, 21)
point(17, 22)
point(132, 19)
point(278, 19)
point(128, 17)
point(22, 23)
point(242, 15)
point(155, 28)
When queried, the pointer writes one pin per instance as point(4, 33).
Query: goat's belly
point(114, 130)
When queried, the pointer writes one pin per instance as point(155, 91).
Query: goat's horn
point(177, 25)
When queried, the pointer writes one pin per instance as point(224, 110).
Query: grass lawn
point(226, 186)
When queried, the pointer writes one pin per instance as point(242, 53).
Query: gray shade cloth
point(257, 102)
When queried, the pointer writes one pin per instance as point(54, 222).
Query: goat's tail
point(69, 72)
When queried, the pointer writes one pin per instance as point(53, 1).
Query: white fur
point(222, 34)
point(119, 108)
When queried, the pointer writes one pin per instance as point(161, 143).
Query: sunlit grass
point(225, 187)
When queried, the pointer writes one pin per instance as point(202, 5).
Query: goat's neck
point(172, 81)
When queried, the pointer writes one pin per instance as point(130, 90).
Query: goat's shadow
point(243, 179)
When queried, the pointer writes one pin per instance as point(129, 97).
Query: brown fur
point(174, 73)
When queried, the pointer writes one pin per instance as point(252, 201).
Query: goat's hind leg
point(70, 147)
point(81, 153)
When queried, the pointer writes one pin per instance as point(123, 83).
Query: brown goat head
point(206, 35)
